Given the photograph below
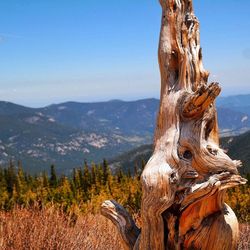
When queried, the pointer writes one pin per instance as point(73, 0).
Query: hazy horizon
point(98, 101)
point(89, 51)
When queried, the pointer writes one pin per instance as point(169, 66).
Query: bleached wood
point(184, 181)
point(129, 232)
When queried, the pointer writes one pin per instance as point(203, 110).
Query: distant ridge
point(239, 103)
point(66, 134)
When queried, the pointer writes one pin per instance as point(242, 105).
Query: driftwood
point(184, 181)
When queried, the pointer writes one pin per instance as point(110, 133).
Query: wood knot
point(211, 150)
point(187, 155)
point(191, 174)
point(173, 178)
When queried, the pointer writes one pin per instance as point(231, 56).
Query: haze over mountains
point(68, 133)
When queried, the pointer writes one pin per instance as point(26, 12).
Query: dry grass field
point(49, 229)
point(24, 229)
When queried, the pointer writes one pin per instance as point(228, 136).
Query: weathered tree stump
point(184, 181)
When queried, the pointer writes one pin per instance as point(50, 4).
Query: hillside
point(120, 117)
point(239, 103)
point(68, 133)
point(238, 147)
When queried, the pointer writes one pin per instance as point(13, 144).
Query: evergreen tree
point(93, 174)
point(106, 171)
point(10, 177)
point(45, 180)
point(119, 175)
point(86, 180)
point(20, 180)
point(53, 177)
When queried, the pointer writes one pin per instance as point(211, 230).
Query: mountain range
point(68, 133)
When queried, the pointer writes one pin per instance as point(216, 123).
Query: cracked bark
point(184, 181)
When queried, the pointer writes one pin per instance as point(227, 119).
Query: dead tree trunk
point(184, 181)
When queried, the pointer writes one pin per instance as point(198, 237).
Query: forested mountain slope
point(68, 133)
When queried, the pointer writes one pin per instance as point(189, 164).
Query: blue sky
point(87, 50)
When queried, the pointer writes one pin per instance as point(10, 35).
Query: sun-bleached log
point(128, 231)
point(184, 182)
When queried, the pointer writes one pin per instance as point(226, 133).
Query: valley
point(67, 134)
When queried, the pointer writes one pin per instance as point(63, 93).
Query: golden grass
point(23, 229)
point(244, 242)
point(50, 229)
